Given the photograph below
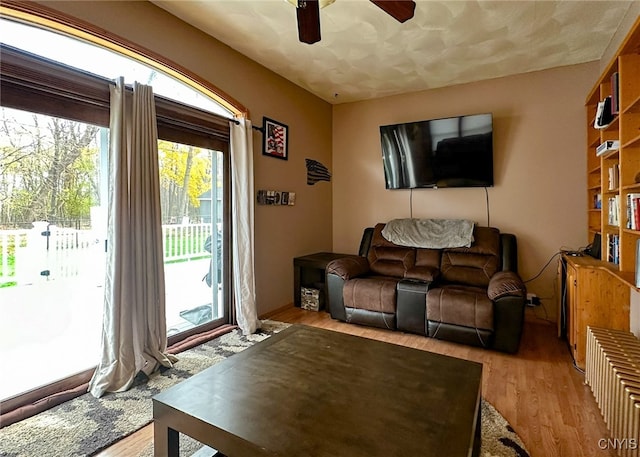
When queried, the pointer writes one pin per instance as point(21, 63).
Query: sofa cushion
point(427, 265)
point(387, 259)
point(422, 273)
point(391, 261)
point(460, 305)
point(475, 265)
point(372, 294)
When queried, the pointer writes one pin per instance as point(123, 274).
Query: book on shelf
point(607, 146)
point(613, 248)
point(614, 211)
point(633, 211)
point(603, 114)
point(615, 94)
point(597, 201)
point(614, 176)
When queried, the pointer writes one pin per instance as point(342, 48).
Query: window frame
point(34, 83)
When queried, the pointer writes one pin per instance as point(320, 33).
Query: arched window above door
point(54, 35)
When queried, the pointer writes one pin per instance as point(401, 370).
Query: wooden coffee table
point(313, 392)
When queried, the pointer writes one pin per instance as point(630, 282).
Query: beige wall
point(281, 232)
point(539, 165)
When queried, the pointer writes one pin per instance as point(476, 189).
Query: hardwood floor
point(537, 390)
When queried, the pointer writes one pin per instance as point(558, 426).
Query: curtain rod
point(237, 122)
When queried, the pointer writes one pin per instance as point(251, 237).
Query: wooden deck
point(52, 329)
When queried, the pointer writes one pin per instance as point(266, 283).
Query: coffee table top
point(314, 392)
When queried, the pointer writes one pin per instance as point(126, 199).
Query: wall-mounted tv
point(450, 152)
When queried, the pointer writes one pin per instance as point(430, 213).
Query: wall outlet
point(532, 300)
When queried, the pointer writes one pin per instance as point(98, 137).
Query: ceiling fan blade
point(401, 10)
point(308, 13)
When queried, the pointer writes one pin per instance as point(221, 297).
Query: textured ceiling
point(364, 53)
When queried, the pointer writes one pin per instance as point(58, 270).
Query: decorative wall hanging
point(275, 141)
point(316, 172)
point(276, 197)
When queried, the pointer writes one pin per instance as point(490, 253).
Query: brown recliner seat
point(371, 299)
point(459, 307)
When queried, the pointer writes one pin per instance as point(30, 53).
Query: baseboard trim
point(271, 313)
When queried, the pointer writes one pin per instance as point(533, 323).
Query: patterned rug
point(86, 425)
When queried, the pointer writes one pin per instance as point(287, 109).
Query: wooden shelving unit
point(625, 161)
point(597, 292)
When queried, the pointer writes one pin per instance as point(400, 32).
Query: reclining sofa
point(471, 295)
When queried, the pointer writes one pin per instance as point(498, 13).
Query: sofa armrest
point(508, 293)
point(348, 267)
point(509, 248)
point(508, 321)
point(506, 284)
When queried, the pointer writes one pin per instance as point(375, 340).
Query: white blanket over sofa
point(429, 233)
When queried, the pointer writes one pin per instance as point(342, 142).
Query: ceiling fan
point(308, 13)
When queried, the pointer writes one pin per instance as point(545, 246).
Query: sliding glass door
point(53, 204)
point(192, 182)
point(52, 250)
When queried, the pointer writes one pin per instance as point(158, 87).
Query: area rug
point(86, 425)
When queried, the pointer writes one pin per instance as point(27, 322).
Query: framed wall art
point(275, 139)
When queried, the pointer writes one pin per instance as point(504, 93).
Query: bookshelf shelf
point(634, 107)
point(633, 142)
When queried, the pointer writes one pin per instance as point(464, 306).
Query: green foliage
point(78, 196)
point(8, 246)
point(50, 171)
point(49, 167)
point(183, 167)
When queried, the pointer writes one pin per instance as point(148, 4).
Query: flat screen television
point(449, 152)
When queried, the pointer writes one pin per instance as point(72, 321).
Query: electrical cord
point(573, 361)
point(411, 203)
point(563, 317)
point(546, 314)
point(544, 268)
point(544, 308)
point(486, 192)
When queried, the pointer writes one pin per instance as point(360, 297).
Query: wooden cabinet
point(595, 296)
point(615, 175)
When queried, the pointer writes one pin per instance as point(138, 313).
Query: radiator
point(612, 370)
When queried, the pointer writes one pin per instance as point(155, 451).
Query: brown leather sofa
point(467, 295)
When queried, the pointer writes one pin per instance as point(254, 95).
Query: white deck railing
point(185, 242)
point(49, 252)
point(10, 240)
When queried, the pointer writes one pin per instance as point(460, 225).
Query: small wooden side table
point(309, 271)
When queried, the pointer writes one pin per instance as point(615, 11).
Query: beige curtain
point(242, 209)
point(134, 327)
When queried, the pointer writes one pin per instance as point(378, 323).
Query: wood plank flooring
point(537, 390)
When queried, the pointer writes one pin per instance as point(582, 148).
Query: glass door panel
point(51, 248)
point(192, 200)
